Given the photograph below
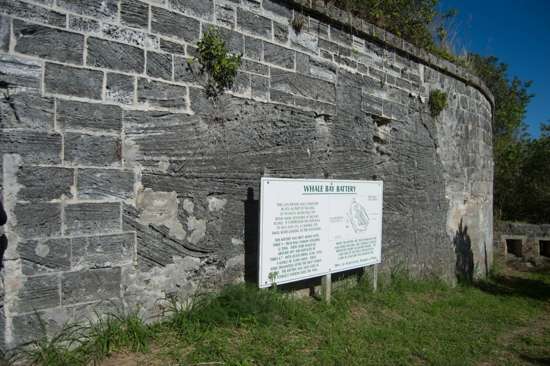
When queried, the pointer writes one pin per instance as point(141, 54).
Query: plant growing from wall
point(437, 102)
point(298, 22)
point(219, 66)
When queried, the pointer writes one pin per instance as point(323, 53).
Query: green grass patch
point(406, 322)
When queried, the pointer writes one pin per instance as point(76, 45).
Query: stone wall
point(125, 186)
point(533, 241)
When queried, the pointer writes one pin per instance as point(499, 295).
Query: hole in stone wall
point(514, 247)
point(544, 246)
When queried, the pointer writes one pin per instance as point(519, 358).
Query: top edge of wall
point(347, 21)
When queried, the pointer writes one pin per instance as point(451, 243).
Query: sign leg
point(326, 283)
point(375, 278)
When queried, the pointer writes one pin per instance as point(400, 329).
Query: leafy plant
point(219, 66)
point(437, 102)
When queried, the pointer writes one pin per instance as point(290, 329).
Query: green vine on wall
point(219, 66)
point(437, 102)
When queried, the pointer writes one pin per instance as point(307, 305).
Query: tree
point(509, 131)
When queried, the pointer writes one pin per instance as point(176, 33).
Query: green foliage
point(522, 165)
point(437, 102)
point(216, 63)
point(404, 322)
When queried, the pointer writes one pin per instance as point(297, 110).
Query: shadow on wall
point(251, 237)
point(464, 254)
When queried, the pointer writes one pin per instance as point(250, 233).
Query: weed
point(298, 22)
point(437, 102)
point(216, 63)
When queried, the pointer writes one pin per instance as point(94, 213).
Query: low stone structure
point(517, 240)
point(125, 186)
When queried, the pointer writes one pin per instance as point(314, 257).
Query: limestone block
point(44, 256)
point(18, 72)
point(72, 115)
point(159, 65)
point(200, 9)
point(120, 88)
point(44, 183)
point(134, 13)
point(38, 220)
point(48, 43)
point(32, 12)
point(26, 109)
point(253, 23)
point(115, 56)
point(105, 184)
point(279, 56)
point(73, 81)
point(92, 218)
point(33, 146)
point(82, 149)
point(90, 285)
point(38, 293)
point(302, 85)
point(101, 9)
point(103, 251)
point(175, 25)
point(159, 94)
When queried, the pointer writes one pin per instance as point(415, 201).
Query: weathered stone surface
point(200, 9)
point(38, 293)
point(253, 23)
point(254, 49)
point(254, 67)
point(32, 12)
point(101, 9)
point(277, 8)
point(159, 65)
point(5, 28)
point(90, 285)
point(120, 88)
point(174, 25)
point(260, 86)
point(290, 82)
point(44, 183)
point(279, 56)
point(186, 72)
point(49, 43)
point(34, 147)
point(73, 81)
point(72, 115)
point(26, 109)
point(15, 71)
point(84, 25)
point(157, 134)
point(134, 13)
point(45, 256)
point(105, 184)
point(172, 47)
point(92, 218)
point(130, 36)
point(225, 14)
point(103, 251)
point(82, 149)
point(114, 55)
point(38, 220)
point(280, 32)
point(159, 94)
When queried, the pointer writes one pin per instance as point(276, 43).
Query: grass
point(502, 321)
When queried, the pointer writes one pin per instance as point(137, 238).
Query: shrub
point(437, 102)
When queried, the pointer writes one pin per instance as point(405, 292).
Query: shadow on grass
point(504, 285)
point(536, 360)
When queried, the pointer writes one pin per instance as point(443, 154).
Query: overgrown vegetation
point(437, 102)
point(216, 63)
point(405, 322)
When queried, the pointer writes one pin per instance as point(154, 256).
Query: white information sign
point(313, 227)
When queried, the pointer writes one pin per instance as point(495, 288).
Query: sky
point(518, 33)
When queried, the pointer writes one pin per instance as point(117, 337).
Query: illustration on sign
point(310, 228)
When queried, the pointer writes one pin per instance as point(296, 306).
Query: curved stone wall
point(125, 186)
